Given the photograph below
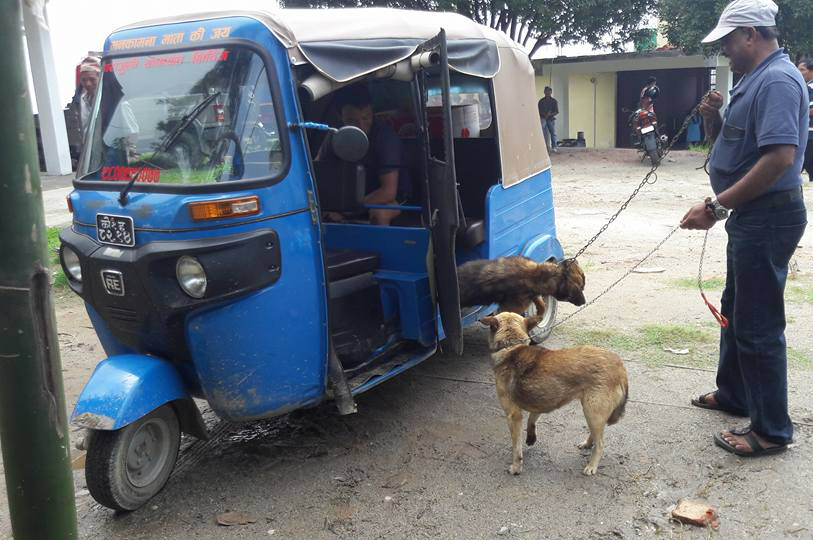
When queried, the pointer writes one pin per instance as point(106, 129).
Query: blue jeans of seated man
point(752, 372)
point(549, 128)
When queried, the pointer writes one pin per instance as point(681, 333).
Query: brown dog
point(514, 282)
point(539, 380)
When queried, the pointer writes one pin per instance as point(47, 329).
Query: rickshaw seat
point(340, 185)
point(345, 263)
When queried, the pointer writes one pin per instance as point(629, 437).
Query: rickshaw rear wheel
point(127, 467)
point(542, 331)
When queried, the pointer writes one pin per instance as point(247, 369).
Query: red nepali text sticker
point(125, 174)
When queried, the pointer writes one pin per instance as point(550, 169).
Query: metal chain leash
point(720, 318)
point(616, 282)
point(650, 178)
point(700, 268)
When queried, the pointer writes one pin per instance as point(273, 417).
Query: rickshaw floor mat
point(345, 263)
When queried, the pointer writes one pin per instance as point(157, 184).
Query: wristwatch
point(719, 211)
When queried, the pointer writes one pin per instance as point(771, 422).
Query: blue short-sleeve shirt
point(768, 106)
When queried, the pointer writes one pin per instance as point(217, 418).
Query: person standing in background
point(548, 109)
point(806, 69)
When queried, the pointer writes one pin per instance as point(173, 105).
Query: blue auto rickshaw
point(198, 242)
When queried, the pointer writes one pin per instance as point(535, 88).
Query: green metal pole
point(33, 426)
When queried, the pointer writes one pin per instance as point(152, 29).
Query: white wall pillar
point(43, 71)
point(725, 81)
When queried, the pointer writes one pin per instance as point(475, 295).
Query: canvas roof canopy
point(345, 44)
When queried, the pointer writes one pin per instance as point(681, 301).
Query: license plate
point(115, 230)
point(647, 129)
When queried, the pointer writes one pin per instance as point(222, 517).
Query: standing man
point(755, 171)
point(548, 109)
point(806, 69)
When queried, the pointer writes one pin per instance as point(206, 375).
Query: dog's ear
point(491, 322)
point(532, 322)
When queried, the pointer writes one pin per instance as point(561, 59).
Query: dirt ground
point(427, 454)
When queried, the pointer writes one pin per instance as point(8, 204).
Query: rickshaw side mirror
point(350, 144)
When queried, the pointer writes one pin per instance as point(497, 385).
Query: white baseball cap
point(743, 13)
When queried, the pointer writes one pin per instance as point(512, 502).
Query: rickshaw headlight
point(70, 260)
point(191, 276)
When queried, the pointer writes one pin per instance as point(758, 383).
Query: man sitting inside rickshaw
point(387, 176)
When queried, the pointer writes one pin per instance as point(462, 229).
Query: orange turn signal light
point(228, 208)
point(70, 203)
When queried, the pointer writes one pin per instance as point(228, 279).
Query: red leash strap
point(721, 319)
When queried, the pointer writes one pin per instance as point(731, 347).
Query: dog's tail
point(618, 412)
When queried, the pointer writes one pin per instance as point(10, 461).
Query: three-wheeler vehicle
point(198, 241)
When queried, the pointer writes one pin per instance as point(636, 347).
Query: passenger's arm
point(387, 192)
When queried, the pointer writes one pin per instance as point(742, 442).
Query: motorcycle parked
point(646, 136)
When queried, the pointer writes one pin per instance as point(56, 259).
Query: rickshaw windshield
point(184, 118)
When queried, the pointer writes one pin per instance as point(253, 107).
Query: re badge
point(113, 282)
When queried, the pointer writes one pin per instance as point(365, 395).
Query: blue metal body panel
point(124, 388)
point(400, 249)
point(266, 353)
point(519, 216)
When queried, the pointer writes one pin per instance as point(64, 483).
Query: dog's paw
point(590, 470)
point(585, 444)
point(530, 440)
point(515, 469)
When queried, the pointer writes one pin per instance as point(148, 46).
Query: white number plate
point(115, 230)
point(647, 129)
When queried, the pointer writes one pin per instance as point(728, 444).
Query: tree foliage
point(686, 23)
point(532, 23)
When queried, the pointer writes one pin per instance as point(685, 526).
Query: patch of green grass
point(647, 343)
point(708, 284)
point(676, 336)
point(614, 341)
point(60, 281)
point(799, 294)
point(799, 359)
point(703, 148)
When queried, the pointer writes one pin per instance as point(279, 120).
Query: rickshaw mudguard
point(543, 247)
point(125, 388)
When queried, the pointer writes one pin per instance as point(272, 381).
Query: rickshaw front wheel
point(127, 467)
point(542, 331)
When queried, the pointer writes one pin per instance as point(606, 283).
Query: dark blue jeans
point(752, 375)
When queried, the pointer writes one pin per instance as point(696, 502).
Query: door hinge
point(312, 207)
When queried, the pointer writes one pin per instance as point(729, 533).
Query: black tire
point(543, 330)
point(120, 485)
point(651, 147)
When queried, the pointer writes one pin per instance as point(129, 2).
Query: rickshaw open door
point(444, 208)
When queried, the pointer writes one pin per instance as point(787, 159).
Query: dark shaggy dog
point(514, 282)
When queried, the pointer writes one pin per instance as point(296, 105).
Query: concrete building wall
point(591, 108)
point(572, 87)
